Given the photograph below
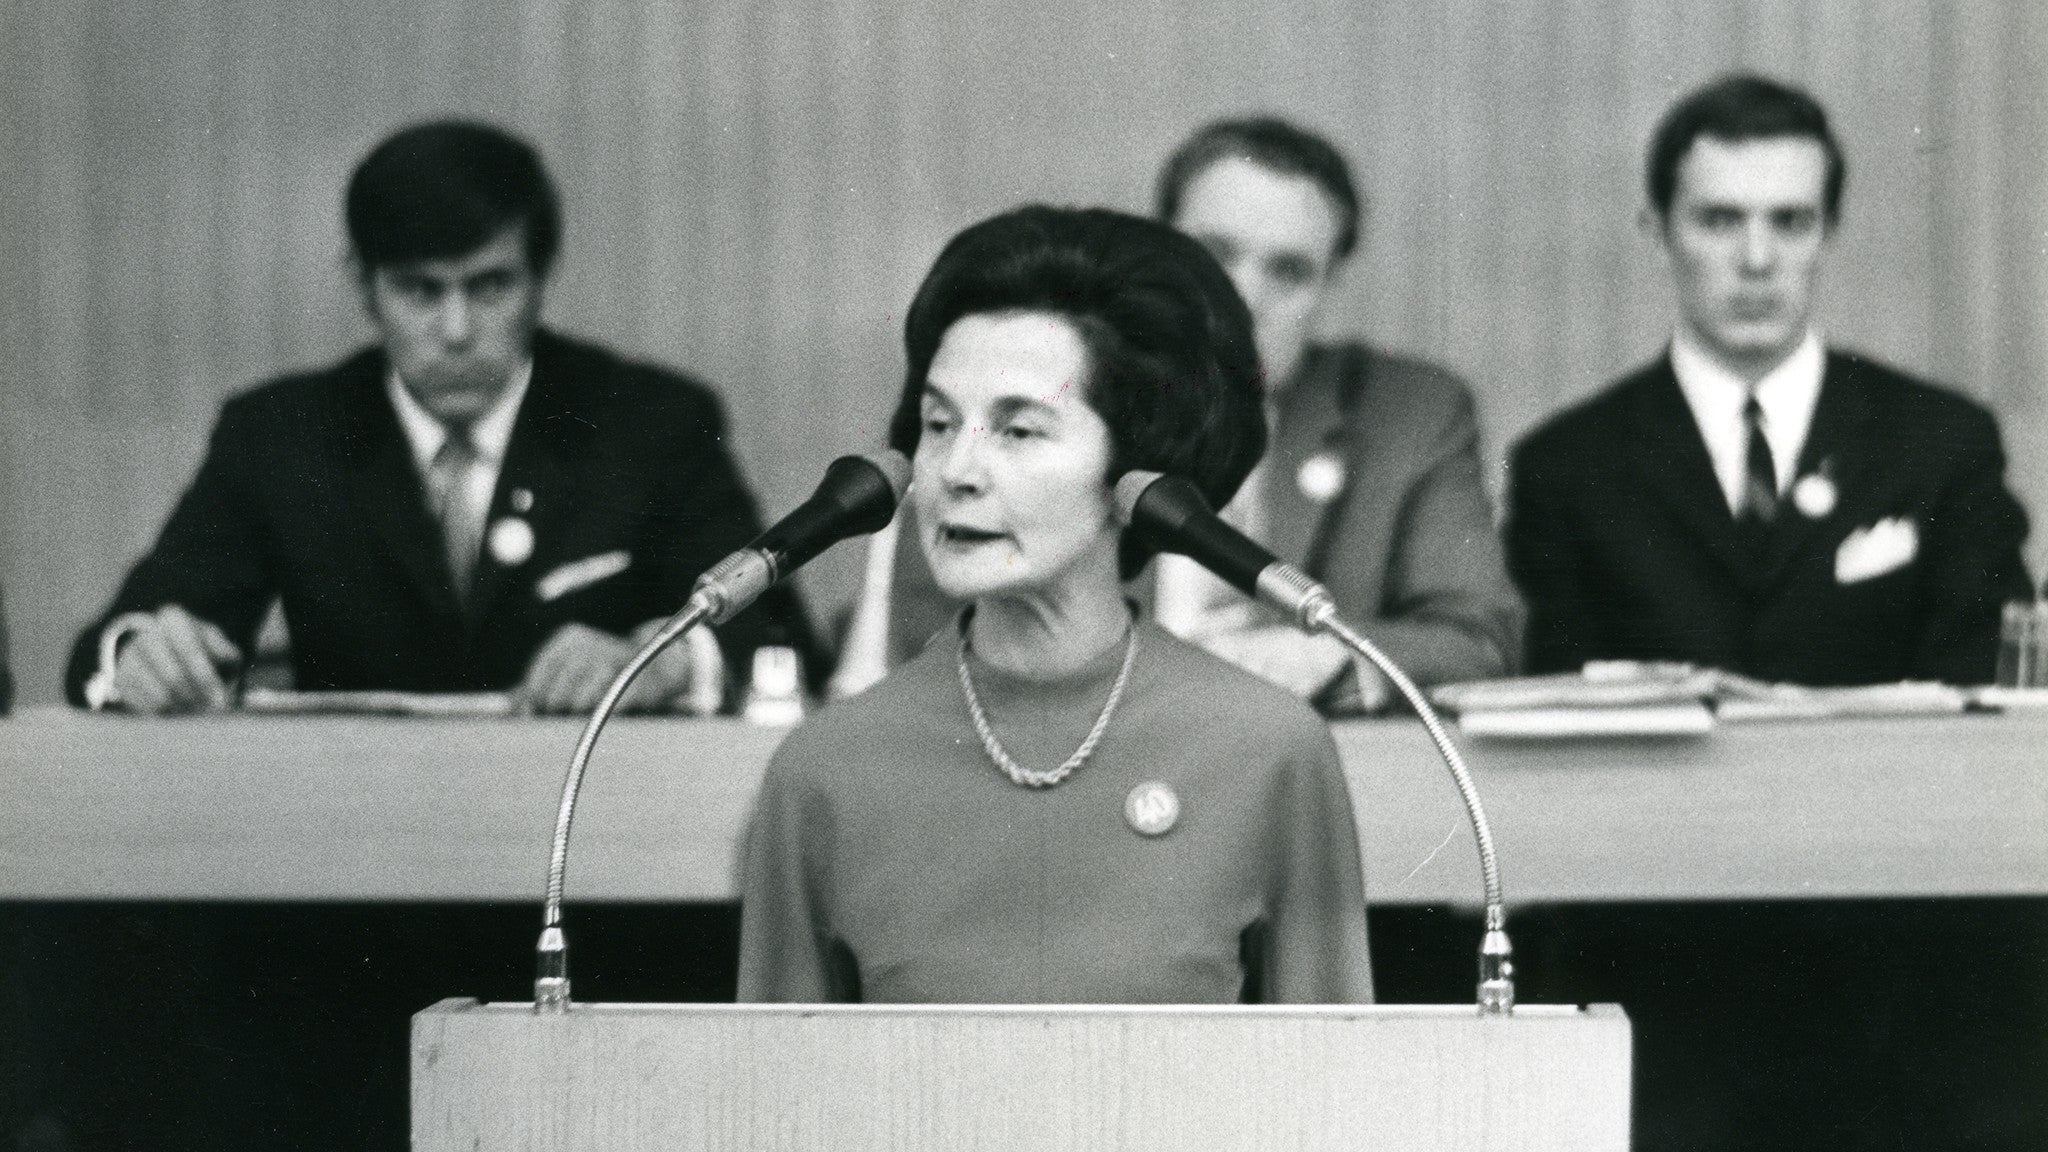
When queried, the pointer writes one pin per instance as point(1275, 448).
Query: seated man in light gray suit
point(1372, 478)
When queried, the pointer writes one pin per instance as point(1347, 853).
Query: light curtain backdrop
point(754, 187)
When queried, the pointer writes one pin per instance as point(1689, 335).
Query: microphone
point(858, 495)
point(1171, 514)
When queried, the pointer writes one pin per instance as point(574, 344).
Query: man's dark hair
point(442, 190)
point(1738, 107)
point(1172, 369)
point(1271, 143)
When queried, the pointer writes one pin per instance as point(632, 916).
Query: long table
point(248, 807)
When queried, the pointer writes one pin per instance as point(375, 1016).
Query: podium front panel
point(671, 1077)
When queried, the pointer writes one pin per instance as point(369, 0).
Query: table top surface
point(246, 807)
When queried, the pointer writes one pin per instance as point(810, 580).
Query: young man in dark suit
point(1754, 500)
point(472, 503)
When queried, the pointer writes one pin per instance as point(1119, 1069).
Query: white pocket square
point(581, 574)
point(1885, 546)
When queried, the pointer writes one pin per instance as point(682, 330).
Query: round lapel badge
point(522, 500)
point(511, 541)
point(1321, 477)
point(1152, 809)
point(1814, 495)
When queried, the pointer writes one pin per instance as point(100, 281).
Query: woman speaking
point(1056, 802)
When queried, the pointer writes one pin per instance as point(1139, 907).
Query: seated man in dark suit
point(474, 503)
point(1754, 500)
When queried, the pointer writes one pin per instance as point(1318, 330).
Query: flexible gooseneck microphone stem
point(858, 495)
point(1496, 953)
point(1171, 514)
point(551, 984)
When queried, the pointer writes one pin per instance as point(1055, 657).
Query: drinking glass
point(2023, 645)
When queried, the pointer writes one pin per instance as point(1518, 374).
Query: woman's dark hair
point(1736, 108)
point(1172, 369)
point(442, 190)
point(1274, 144)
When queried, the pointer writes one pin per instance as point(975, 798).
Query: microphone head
point(895, 469)
point(1170, 514)
point(1130, 487)
point(868, 484)
point(859, 494)
point(1151, 501)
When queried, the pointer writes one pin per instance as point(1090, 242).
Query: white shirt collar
point(1787, 394)
point(492, 432)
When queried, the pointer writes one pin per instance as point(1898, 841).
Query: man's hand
point(172, 664)
point(1296, 661)
point(572, 670)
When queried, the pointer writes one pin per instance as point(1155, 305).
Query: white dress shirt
point(1787, 395)
point(491, 435)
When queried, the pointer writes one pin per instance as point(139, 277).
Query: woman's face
point(1010, 479)
point(1275, 233)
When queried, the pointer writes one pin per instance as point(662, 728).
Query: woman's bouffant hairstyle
point(1171, 370)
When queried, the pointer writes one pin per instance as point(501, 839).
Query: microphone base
point(1497, 998)
point(550, 995)
point(1496, 966)
point(551, 982)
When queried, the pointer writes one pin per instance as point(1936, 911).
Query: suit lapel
point(1671, 461)
point(537, 464)
point(1840, 428)
point(388, 490)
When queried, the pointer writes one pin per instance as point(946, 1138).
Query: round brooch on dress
point(1321, 477)
point(511, 541)
point(1152, 809)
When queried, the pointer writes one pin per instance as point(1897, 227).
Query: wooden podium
point(624, 1077)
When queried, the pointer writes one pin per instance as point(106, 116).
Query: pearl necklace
point(1026, 777)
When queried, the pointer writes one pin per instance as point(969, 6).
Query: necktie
point(1759, 507)
point(462, 521)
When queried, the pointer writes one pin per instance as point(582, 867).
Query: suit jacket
point(309, 494)
point(1406, 544)
point(1624, 545)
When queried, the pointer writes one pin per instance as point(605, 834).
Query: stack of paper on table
point(1608, 698)
point(1995, 698)
point(1691, 719)
point(1636, 698)
point(1796, 702)
point(382, 703)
